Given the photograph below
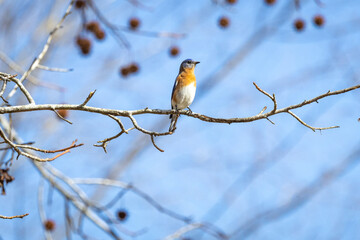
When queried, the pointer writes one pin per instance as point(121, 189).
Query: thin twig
point(117, 34)
point(137, 3)
point(54, 69)
point(73, 145)
point(270, 121)
point(6, 77)
point(42, 54)
point(152, 34)
point(68, 219)
point(263, 110)
point(12, 217)
point(116, 198)
point(193, 226)
point(61, 117)
point(33, 80)
point(153, 142)
point(90, 214)
point(106, 214)
point(16, 147)
point(121, 125)
point(117, 30)
point(91, 94)
point(306, 125)
point(81, 206)
point(3, 88)
point(179, 233)
point(134, 122)
point(42, 212)
point(146, 197)
point(267, 94)
point(104, 143)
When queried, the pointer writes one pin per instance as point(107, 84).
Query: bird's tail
point(173, 118)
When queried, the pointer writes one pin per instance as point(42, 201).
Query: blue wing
point(173, 90)
point(172, 94)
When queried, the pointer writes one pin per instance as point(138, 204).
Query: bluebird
point(184, 89)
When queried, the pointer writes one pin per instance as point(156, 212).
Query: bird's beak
point(196, 63)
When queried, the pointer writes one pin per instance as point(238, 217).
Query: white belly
point(184, 97)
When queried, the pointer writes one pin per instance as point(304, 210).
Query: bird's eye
point(189, 61)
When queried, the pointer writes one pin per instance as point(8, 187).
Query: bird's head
point(188, 64)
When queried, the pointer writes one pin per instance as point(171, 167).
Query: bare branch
point(42, 54)
point(146, 197)
point(54, 69)
point(107, 140)
point(106, 214)
point(188, 228)
point(262, 110)
point(8, 147)
point(82, 206)
point(16, 147)
point(267, 94)
point(117, 34)
point(42, 212)
point(61, 117)
point(306, 125)
point(137, 3)
point(6, 77)
point(91, 94)
point(153, 142)
point(91, 215)
point(152, 34)
point(12, 217)
point(3, 88)
point(131, 113)
point(144, 130)
point(68, 219)
point(121, 125)
point(270, 121)
point(33, 80)
point(73, 145)
point(193, 226)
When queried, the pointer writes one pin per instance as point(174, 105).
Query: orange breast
point(186, 77)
